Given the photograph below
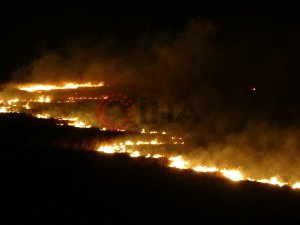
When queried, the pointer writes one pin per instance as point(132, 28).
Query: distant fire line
point(49, 87)
point(21, 104)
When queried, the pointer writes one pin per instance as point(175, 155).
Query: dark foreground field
point(42, 181)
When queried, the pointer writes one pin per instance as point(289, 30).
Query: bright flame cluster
point(179, 162)
point(25, 103)
point(43, 99)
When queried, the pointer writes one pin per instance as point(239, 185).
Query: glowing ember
point(3, 110)
point(296, 185)
point(178, 162)
point(153, 132)
point(233, 175)
point(273, 181)
point(135, 154)
point(26, 106)
point(129, 143)
point(79, 124)
point(106, 149)
point(41, 116)
point(10, 102)
point(156, 156)
point(43, 99)
point(141, 143)
point(205, 169)
point(69, 118)
point(154, 142)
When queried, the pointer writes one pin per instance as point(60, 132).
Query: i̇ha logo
point(115, 112)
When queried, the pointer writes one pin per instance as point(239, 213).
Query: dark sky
point(210, 53)
point(29, 28)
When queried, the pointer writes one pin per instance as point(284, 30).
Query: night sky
point(235, 62)
point(210, 48)
point(28, 29)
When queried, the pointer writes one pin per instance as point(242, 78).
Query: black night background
point(215, 83)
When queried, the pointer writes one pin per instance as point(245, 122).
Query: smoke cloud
point(255, 130)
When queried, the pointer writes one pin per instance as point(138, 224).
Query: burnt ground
point(43, 178)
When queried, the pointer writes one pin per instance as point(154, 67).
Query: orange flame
point(48, 87)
